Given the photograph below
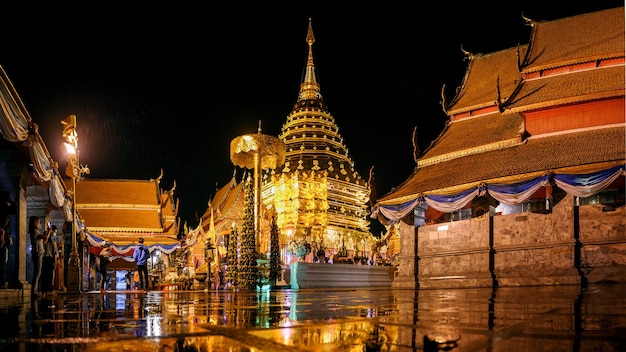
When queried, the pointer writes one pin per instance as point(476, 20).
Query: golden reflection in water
point(153, 326)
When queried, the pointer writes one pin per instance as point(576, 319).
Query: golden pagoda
point(317, 194)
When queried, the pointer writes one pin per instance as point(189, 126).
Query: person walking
point(37, 250)
point(49, 263)
point(104, 257)
point(141, 255)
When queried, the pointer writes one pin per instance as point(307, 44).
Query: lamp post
point(209, 254)
point(75, 171)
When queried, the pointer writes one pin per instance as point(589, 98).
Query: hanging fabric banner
point(516, 193)
point(397, 212)
point(450, 203)
point(586, 185)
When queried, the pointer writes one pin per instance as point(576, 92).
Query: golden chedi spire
point(309, 88)
point(317, 193)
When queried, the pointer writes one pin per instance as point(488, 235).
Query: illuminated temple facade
point(317, 195)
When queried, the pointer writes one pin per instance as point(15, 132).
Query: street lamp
point(76, 172)
point(209, 254)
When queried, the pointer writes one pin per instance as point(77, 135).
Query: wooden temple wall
point(570, 245)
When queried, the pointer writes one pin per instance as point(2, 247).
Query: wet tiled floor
point(561, 318)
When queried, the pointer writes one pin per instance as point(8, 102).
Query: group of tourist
point(45, 255)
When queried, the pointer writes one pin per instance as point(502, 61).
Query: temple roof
point(463, 136)
point(123, 210)
point(227, 207)
point(577, 60)
point(578, 39)
point(98, 192)
point(585, 85)
point(534, 155)
point(490, 79)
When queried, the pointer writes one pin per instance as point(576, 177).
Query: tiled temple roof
point(534, 155)
point(576, 60)
point(123, 210)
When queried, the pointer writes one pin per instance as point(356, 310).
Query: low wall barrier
point(322, 275)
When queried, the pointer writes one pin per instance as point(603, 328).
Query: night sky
point(167, 88)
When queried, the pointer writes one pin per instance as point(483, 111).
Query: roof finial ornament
point(468, 55)
point(158, 179)
point(173, 188)
point(372, 187)
point(499, 99)
point(259, 127)
point(529, 22)
point(443, 98)
point(416, 146)
point(310, 38)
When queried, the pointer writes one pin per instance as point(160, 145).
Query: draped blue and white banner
point(578, 185)
point(398, 211)
point(97, 241)
point(586, 185)
point(517, 193)
point(450, 203)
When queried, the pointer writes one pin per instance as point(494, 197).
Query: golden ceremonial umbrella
point(259, 152)
point(245, 149)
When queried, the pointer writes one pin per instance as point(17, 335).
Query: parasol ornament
point(270, 151)
point(258, 152)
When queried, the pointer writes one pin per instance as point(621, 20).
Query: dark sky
point(169, 87)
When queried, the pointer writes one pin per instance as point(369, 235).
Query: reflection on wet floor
point(562, 318)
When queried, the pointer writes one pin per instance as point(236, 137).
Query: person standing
point(58, 270)
point(49, 263)
point(37, 250)
point(141, 255)
point(104, 257)
point(7, 207)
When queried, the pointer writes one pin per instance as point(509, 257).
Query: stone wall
point(536, 249)
point(570, 245)
point(454, 254)
point(407, 260)
point(603, 240)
